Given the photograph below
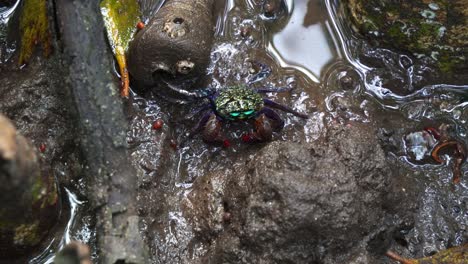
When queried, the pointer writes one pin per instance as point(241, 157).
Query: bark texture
point(112, 181)
point(175, 44)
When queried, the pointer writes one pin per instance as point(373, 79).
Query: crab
point(241, 103)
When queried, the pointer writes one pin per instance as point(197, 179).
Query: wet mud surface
point(34, 100)
point(353, 180)
point(340, 187)
point(247, 204)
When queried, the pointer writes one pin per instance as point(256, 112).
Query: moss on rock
point(433, 28)
point(34, 29)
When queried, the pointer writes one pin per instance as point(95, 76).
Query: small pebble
point(227, 217)
point(226, 143)
point(42, 148)
point(158, 124)
point(140, 25)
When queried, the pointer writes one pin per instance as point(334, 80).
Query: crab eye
point(234, 114)
point(247, 113)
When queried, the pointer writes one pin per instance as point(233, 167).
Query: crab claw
point(263, 128)
point(262, 133)
point(212, 130)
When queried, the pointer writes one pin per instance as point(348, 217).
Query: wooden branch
point(112, 179)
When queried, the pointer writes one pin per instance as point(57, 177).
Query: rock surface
point(435, 29)
point(175, 44)
point(296, 203)
point(30, 204)
point(34, 99)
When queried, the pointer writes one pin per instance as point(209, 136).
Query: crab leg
point(274, 90)
point(263, 72)
point(199, 110)
point(263, 129)
point(201, 124)
point(212, 130)
point(284, 108)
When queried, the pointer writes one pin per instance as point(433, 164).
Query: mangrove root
point(175, 44)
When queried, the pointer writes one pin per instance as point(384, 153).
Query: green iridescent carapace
point(238, 102)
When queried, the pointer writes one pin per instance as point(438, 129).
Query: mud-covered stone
point(28, 194)
point(175, 44)
point(296, 203)
point(435, 29)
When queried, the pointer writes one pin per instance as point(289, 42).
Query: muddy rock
point(295, 203)
point(28, 194)
point(35, 101)
point(175, 44)
point(424, 28)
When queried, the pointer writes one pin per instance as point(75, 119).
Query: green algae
point(27, 234)
point(454, 255)
point(34, 29)
point(44, 191)
point(435, 29)
point(120, 19)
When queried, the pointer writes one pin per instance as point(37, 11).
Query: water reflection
point(7, 46)
point(410, 97)
point(47, 256)
point(304, 42)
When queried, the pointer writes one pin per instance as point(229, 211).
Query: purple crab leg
point(271, 114)
point(284, 108)
point(201, 124)
point(204, 93)
point(274, 90)
point(264, 72)
point(199, 110)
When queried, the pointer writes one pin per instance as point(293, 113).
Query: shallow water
point(409, 100)
point(73, 230)
point(337, 77)
point(7, 45)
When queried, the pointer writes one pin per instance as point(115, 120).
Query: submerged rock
point(435, 29)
